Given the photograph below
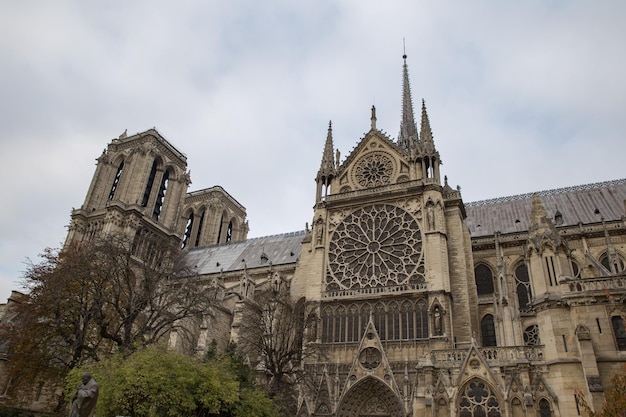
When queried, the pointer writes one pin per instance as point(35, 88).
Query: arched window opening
point(116, 181)
point(188, 230)
point(619, 331)
point(158, 205)
point(394, 322)
point(544, 408)
point(484, 280)
point(229, 231)
point(615, 265)
point(523, 287)
point(421, 320)
point(340, 325)
point(427, 167)
point(488, 331)
point(219, 232)
point(477, 400)
point(199, 232)
point(327, 325)
point(575, 269)
point(148, 190)
point(353, 324)
point(408, 321)
point(531, 335)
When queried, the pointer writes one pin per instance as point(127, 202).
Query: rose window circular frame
point(374, 170)
point(375, 246)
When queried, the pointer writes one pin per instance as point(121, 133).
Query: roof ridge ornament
point(373, 118)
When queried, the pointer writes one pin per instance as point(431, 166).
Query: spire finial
point(373, 118)
point(404, 51)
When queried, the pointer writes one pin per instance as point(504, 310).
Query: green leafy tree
point(156, 382)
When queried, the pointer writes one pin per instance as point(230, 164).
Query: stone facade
point(426, 305)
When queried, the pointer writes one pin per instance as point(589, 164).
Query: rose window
point(375, 246)
point(374, 170)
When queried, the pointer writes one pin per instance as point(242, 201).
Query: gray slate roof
point(576, 204)
point(279, 250)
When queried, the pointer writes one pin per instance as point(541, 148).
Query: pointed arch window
point(394, 322)
point(327, 325)
point(353, 324)
point(523, 287)
point(488, 331)
point(199, 231)
point(340, 325)
point(620, 332)
point(229, 231)
point(408, 320)
point(477, 400)
point(544, 408)
point(615, 266)
point(158, 205)
point(149, 184)
point(188, 230)
point(484, 280)
point(116, 181)
point(421, 320)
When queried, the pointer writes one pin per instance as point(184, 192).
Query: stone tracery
point(375, 246)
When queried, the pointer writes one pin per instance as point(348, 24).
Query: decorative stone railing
point(397, 289)
point(603, 284)
point(495, 356)
point(383, 188)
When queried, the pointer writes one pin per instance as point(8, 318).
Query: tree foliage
point(94, 298)
point(615, 399)
point(277, 336)
point(155, 382)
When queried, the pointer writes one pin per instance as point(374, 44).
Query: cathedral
point(426, 305)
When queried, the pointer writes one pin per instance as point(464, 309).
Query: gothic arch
point(477, 398)
point(370, 397)
point(483, 276)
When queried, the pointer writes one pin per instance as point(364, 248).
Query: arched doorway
point(370, 397)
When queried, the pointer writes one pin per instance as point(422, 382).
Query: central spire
point(407, 138)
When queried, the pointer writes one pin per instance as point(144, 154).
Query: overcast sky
point(522, 96)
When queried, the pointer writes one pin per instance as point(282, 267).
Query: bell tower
point(138, 188)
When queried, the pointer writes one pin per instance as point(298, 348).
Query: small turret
point(327, 169)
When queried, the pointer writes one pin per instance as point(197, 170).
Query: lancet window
point(188, 230)
point(484, 280)
point(158, 205)
point(544, 408)
point(488, 331)
point(116, 181)
point(149, 184)
point(523, 287)
point(619, 331)
point(406, 320)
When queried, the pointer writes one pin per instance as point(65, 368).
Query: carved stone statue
point(85, 398)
